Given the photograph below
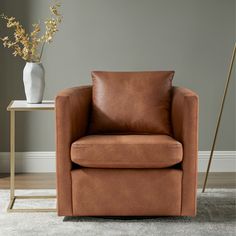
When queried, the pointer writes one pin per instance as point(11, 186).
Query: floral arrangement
point(30, 46)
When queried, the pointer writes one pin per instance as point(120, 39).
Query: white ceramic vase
point(34, 82)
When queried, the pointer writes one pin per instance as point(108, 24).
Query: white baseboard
point(223, 161)
point(29, 162)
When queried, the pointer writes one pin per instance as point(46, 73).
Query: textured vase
point(34, 82)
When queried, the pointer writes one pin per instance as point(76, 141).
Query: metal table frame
point(22, 106)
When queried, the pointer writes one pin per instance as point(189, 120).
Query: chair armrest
point(72, 115)
point(184, 117)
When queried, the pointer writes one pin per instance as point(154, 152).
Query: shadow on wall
point(11, 80)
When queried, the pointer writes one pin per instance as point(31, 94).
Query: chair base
point(126, 192)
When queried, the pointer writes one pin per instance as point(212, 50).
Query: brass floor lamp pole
point(220, 114)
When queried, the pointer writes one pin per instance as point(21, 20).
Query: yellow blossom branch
point(27, 45)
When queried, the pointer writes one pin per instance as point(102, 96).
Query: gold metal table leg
point(12, 177)
point(12, 155)
point(12, 201)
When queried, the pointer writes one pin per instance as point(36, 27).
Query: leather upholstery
point(185, 128)
point(126, 151)
point(72, 114)
point(125, 192)
point(131, 102)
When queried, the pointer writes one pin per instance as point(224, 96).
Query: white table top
point(22, 105)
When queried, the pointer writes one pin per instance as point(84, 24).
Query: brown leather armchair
point(120, 173)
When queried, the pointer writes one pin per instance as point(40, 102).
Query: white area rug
point(216, 216)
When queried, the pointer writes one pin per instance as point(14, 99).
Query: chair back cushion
point(131, 102)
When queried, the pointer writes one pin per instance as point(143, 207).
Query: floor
point(48, 180)
point(215, 217)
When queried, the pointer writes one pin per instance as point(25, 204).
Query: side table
point(14, 106)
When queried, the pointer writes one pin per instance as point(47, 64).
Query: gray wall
point(193, 37)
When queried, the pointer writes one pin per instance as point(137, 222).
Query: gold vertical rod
point(219, 117)
point(12, 154)
point(10, 206)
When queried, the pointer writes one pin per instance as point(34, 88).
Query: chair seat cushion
point(126, 151)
